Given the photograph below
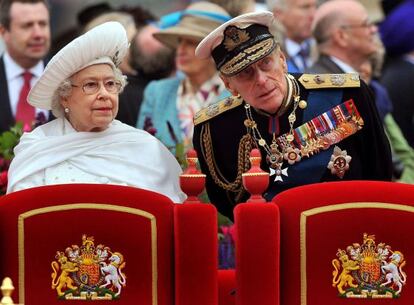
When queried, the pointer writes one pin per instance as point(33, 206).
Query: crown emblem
point(369, 270)
point(233, 37)
point(88, 272)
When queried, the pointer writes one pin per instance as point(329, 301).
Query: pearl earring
point(66, 110)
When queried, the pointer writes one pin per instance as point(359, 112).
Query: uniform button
point(70, 167)
point(56, 178)
point(72, 180)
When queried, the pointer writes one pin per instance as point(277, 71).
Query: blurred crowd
point(167, 84)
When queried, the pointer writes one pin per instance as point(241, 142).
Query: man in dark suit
point(24, 27)
point(296, 17)
point(345, 37)
point(397, 31)
point(346, 40)
point(151, 60)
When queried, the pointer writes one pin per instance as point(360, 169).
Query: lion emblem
point(88, 272)
point(369, 270)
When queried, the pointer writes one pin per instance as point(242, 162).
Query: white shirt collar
point(13, 70)
point(344, 66)
point(292, 47)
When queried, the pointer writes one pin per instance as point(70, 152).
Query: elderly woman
point(85, 144)
point(169, 105)
point(309, 128)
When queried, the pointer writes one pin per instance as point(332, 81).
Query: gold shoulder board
point(320, 81)
point(216, 109)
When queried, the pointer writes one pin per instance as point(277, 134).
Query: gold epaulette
point(216, 109)
point(320, 81)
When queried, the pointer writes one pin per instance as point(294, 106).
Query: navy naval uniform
point(223, 141)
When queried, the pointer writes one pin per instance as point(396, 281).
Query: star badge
point(339, 162)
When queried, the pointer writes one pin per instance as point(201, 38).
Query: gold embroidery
point(215, 109)
point(319, 81)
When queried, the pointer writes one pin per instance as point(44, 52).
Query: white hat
point(106, 43)
point(239, 42)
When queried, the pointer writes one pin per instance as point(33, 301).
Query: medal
point(278, 172)
point(339, 162)
point(292, 155)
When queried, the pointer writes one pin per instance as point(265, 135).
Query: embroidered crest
point(338, 79)
point(88, 272)
point(369, 270)
point(213, 110)
point(234, 37)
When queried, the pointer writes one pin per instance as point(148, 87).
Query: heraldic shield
point(347, 243)
point(95, 243)
point(88, 272)
point(369, 270)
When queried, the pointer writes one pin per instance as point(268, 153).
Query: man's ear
point(228, 85)
point(283, 63)
point(2, 31)
point(339, 37)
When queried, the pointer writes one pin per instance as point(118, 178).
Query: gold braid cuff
point(243, 162)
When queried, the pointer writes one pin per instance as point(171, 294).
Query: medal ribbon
point(324, 124)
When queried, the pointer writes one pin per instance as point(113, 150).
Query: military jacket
point(223, 140)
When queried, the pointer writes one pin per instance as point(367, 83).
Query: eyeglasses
point(91, 87)
point(365, 24)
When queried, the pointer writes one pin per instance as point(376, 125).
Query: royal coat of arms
point(369, 270)
point(88, 272)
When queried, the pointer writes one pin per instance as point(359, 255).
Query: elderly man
point(24, 27)
point(309, 128)
point(345, 36)
point(347, 40)
point(296, 17)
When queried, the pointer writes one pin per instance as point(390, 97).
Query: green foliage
point(8, 140)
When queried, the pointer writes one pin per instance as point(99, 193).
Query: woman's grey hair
point(64, 90)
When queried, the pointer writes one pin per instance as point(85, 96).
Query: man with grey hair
point(344, 35)
point(347, 40)
point(25, 30)
point(296, 17)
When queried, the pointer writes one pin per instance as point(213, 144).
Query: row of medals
point(275, 156)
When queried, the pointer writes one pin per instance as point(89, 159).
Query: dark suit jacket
point(130, 99)
point(6, 116)
point(397, 77)
point(324, 65)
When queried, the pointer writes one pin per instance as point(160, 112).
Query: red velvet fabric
point(195, 236)
point(227, 286)
point(328, 231)
point(257, 254)
point(122, 231)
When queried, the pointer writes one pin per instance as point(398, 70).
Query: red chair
point(347, 243)
point(54, 240)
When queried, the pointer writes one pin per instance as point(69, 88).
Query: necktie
point(304, 54)
point(25, 113)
